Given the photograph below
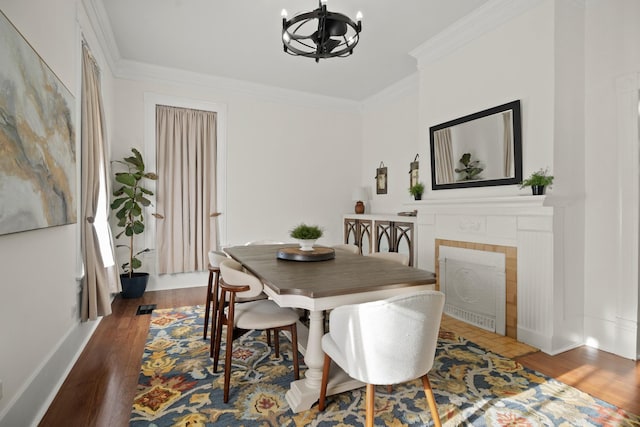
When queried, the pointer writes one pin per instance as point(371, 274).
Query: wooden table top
point(345, 274)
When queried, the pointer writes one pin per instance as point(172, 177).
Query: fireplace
point(543, 305)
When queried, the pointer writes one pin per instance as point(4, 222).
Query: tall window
point(186, 159)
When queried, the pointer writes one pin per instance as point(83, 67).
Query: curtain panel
point(100, 272)
point(186, 188)
point(444, 157)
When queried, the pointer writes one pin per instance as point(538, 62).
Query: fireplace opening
point(474, 284)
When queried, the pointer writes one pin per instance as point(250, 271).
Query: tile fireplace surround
point(549, 312)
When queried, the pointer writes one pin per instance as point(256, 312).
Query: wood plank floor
point(100, 388)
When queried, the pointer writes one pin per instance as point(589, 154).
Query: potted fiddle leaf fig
point(130, 199)
point(538, 181)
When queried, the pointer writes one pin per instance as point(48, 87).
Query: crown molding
point(99, 21)
point(486, 18)
point(133, 70)
point(408, 85)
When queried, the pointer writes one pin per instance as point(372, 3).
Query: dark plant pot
point(418, 197)
point(538, 190)
point(134, 286)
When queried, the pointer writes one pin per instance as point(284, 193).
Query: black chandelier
point(320, 33)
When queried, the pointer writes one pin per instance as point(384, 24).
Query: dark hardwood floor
point(100, 388)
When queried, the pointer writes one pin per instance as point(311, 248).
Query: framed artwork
point(37, 139)
point(413, 172)
point(381, 179)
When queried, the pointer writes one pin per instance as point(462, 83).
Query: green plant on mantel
point(540, 178)
point(306, 232)
point(417, 190)
point(131, 197)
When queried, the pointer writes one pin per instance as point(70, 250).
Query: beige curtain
point(508, 143)
point(444, 156)
point(186, 190)
point(101, 274)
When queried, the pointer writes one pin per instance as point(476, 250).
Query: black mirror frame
point(517, 148)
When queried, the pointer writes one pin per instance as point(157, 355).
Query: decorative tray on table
point(318, 253)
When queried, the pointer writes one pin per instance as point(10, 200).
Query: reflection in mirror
point(480, 149)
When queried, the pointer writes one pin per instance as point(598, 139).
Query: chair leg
point(228, 351)
point(208, 306)
point(294, 350)
point(431, 400)
point(218, 334)
point(276, 341)
point(325, 379)
point(216, 304)
point(370, 398)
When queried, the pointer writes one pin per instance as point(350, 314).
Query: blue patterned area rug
point(472, 387)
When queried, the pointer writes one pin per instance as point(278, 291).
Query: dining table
point(320, 285)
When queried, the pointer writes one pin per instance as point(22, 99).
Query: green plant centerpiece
point(416, 190)
point(471, 169)
point(538, 181)
point(306, 235)
point(130, 199)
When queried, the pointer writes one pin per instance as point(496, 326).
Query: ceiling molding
point(147, 72)
point(486, 18)
point(103, 32)
point(408, 85)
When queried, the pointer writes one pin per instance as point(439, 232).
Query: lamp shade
point(359, 194)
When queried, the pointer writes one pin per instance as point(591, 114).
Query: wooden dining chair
point(215, 258)
point(385, 342)
point(261, 314)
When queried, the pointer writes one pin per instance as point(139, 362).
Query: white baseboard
point(31, 403)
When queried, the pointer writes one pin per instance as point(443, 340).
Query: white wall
point(41, 332)
point(611, 293)
point(390, 135)
point(513, 61)
point(288, 160)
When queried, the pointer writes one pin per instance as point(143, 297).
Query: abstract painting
point(37, 139)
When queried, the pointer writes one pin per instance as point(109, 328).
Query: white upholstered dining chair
point(385, 342)
point(260, 314)
point(391, 256)
point(352, 249)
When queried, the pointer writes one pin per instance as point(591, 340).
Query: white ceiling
point(240, 39)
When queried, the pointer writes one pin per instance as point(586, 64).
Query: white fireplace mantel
point(549, 311)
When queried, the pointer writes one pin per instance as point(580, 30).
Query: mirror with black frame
point(478, 150)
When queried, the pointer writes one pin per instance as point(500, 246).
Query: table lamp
point(359, 195)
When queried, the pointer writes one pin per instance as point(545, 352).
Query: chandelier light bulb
point(284, 13)
point(359, 16)
point(323, 2)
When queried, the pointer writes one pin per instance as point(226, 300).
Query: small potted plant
point(416, 191)
point(130, 198)
point(538, 181)
point(306, 235)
